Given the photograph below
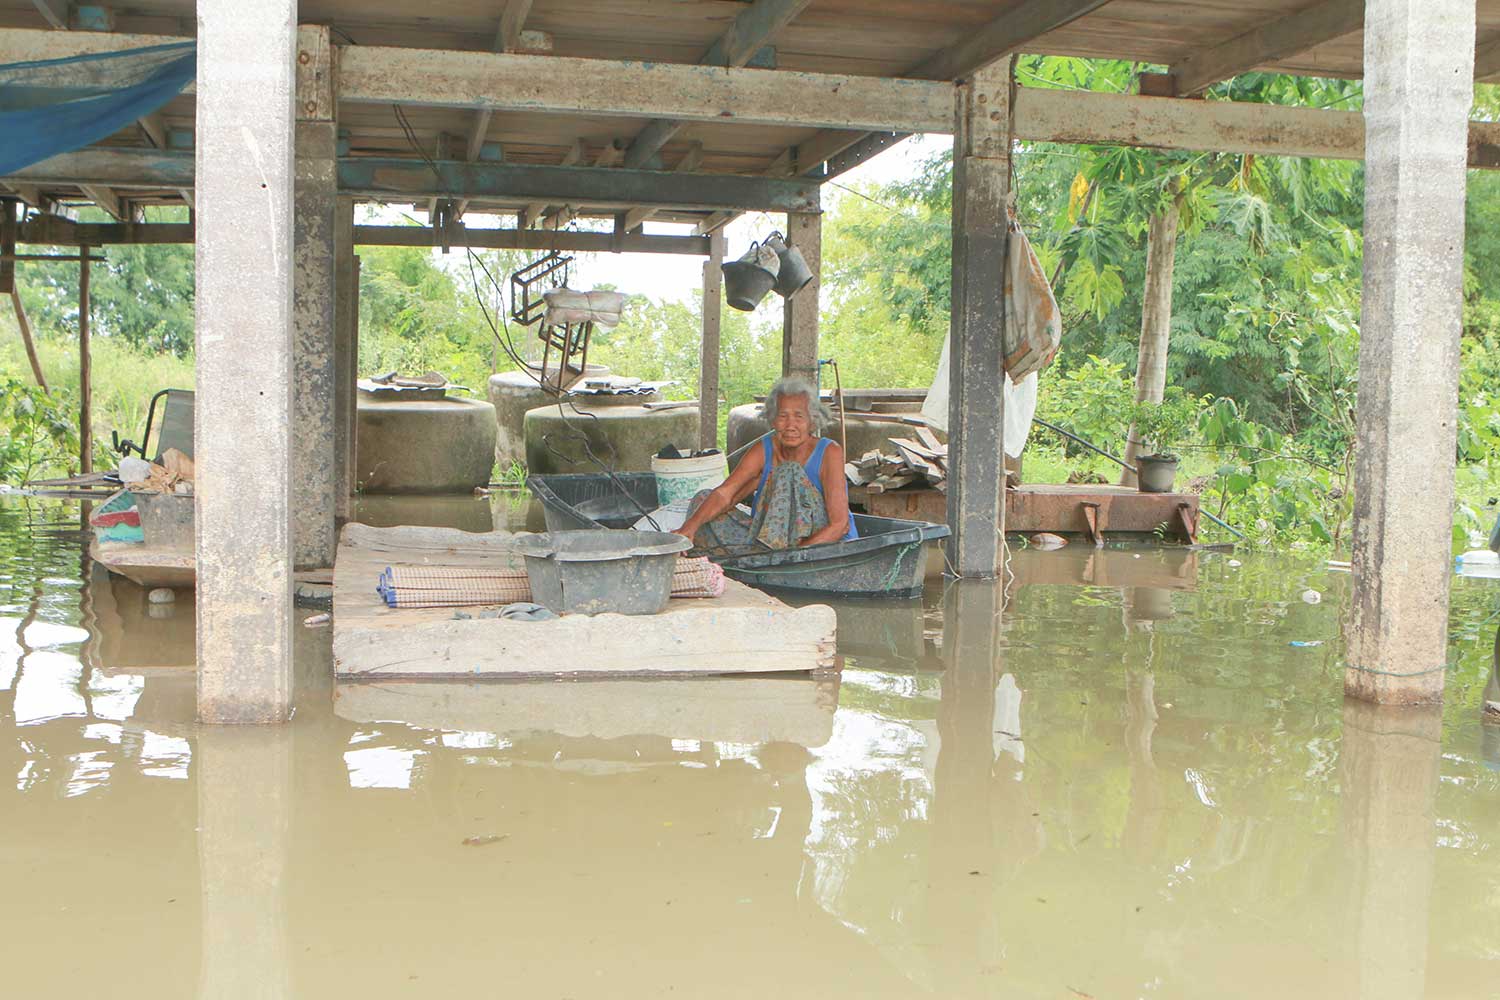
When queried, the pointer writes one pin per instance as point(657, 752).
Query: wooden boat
point(886, 560)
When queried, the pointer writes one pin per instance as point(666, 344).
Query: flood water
point(1131, 784)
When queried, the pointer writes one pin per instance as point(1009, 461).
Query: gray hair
point(791, 385)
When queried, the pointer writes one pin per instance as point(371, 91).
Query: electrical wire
point(509, 347)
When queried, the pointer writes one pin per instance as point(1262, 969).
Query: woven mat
point(465, 587)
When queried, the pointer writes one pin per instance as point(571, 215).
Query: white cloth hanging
point(1020, 406)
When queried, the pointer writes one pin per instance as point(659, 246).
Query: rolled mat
point(465, 587)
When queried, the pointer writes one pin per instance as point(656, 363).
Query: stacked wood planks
point(923, 461)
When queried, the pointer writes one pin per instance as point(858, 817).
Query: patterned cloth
point(467, 587)
point(790, 508)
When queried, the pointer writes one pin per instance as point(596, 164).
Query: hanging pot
point(747, 280)
point(794, 274)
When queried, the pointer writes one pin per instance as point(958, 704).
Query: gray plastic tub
point(599, 571)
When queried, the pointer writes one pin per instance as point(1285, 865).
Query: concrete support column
point(345, 357)
point(1419, 62)
point(799, 328)
point(246, 54)
point(708, 358)
point(976, 448)
point(315, 464)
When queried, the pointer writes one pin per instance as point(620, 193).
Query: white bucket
point(682, 478)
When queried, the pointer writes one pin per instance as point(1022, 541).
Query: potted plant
point(1157, 426)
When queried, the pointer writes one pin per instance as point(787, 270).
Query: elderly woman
point(794, 478)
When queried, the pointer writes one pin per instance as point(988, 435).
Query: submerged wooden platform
point(1088, 509)
point(751, 710)
point(745, 631)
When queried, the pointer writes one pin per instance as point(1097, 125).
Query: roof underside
point(887, 38)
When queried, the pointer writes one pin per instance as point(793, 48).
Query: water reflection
point(1046, 788)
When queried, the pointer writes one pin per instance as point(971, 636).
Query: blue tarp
point(59, 105)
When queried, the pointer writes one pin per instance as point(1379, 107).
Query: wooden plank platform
point(751, 710)
point(745, 631)
point(1060, 509)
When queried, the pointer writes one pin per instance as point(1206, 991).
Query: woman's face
point(793, 424)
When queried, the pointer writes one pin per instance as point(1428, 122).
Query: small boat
point(886, 560)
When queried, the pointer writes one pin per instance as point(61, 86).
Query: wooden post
point(24, 325)
point(85, 371)
point(976, 404)
point(708, 358)
point(799, 336)
point(1156, 324)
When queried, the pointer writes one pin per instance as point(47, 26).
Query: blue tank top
point(814, 469)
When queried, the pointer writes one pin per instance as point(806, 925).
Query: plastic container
point(166, 519)
point(683, 478)
point(601, 571)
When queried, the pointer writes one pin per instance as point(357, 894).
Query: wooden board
point(745, 631)
point(148, 565)
point(1045, 507)
point(751, 710)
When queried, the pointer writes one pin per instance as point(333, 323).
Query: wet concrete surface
point(1129, 784)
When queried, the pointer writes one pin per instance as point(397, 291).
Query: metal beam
point(382, 178)
point(1002, 36)
point(1268, 43)
point(49, 230)
point(572, 86)
point(529, 239)
point(536, 211)
point(753, 28)
point(870, 146)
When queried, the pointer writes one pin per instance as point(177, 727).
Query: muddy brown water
point(1130, 784)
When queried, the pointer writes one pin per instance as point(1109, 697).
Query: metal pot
point(1155, 473)
point(747, 280)
point(794, 274)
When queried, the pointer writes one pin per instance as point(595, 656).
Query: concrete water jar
point(623, 437)
point(425, 445)
point(513, 393)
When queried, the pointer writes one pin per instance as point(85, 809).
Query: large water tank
point(623, 436)
point(424, 445)
point(512, 394)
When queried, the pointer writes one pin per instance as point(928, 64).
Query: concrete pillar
point(243, 257)
point(315, 465)
point(345, 358)
point(1419, 60)
point(799, 318)
point(1389, 762)
point(708, 358)
point(976, 449)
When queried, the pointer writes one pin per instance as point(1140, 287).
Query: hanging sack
point(1033, 324)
